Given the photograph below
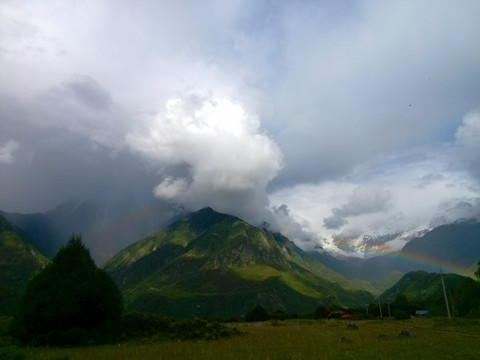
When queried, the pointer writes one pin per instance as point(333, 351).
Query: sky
point(335, 122)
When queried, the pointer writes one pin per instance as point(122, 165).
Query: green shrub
point(198, 329)
point(258, 313)
point(5, 323)
point(141, 325)
point(279, 315)
point(466, 298)
point(400, 314)
point(11, 353)
point(137, 324)
point(321, 312)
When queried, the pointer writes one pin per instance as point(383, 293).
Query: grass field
point(435, 339)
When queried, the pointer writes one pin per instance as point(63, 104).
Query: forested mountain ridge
point(215, 264)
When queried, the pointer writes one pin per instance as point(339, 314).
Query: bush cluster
point(140, 325)
point(136, 325)
point(400, 314)
point(258, 313)
point(199, 329)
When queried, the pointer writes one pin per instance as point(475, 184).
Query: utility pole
point(380, 307)
point(445, 295)
point(389, 315)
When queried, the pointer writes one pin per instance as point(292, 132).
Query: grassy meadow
point(301, 339)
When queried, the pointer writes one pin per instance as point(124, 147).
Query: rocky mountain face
point(212, 264)
point(19, 262)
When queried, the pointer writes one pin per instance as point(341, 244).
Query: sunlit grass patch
point(255, 272)
point(299, 286)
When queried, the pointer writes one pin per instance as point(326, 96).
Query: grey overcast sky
point(331, 120)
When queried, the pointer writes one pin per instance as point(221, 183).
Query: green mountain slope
point(212, 264)
point(39, 231)
point(422, 286)
point(19, 262)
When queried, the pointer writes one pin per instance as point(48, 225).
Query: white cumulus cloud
point(228, 159)
point(171, 188)
point(399, 201)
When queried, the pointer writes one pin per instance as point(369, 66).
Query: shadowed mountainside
point(19, 262)
point(39, 230)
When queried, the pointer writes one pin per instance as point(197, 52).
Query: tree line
point(72, 302)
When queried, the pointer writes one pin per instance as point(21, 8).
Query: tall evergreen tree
point(70, 302)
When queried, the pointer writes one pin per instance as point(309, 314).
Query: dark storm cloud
point(66, 166)
point(63, 152)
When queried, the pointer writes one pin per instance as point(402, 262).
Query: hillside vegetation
point(19, 262)
point(212, 264)
point(422, 286)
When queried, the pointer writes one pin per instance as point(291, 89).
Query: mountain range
point(453, 247)
point(213, 264)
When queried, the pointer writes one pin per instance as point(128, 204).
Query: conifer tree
point(71, 302)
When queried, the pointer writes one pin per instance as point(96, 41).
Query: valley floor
point(304, 339)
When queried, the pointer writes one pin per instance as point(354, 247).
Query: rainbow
point(431, 261)
point(445, 266)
